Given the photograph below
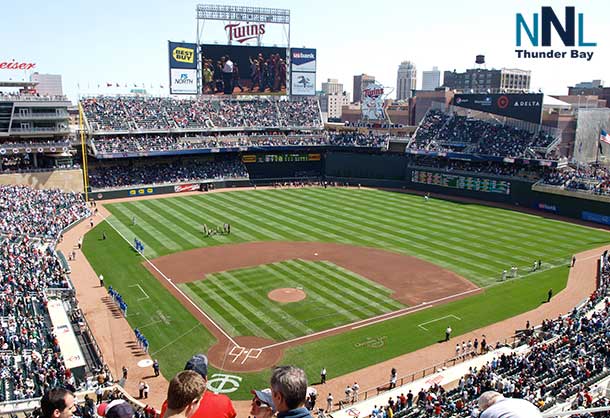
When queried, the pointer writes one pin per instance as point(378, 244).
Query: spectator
point(493, 405)
point(184, 394)
point(262, 404)
point(57, 403)
point(289, 390)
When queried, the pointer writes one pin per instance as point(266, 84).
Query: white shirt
point(228, 67)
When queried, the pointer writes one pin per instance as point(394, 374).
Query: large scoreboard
point(456, 181)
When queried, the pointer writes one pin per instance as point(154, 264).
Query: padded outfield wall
point(394, 171)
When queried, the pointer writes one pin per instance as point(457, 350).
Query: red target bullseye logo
point(503, 102)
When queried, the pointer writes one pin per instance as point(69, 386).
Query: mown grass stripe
point(376, 237)
point(142, 231)
point(350, 289)
point(259, 312)
point(208, 290)
point(315, 292)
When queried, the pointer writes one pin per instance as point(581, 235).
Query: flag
point(604, 137)
point(108, 84)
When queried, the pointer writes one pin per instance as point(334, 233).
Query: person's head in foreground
point(288, 388)
point(119, 408)
point(262, 404)
point(57, 403)
point(184, 393)
point(493, 405)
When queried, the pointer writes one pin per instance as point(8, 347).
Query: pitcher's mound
point(287, 295)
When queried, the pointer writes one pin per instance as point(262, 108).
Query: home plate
point(145, 363)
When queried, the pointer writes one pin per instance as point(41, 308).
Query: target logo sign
point(503, 102)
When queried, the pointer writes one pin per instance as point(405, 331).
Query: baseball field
point(337, 278)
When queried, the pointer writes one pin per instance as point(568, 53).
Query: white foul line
point(168, 280)
point(437, 319)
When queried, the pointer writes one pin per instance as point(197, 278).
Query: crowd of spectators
point(587, 179)
point(38, 213)
point(440, 131)
point(167, 172)
point(166, 142)
point(560, 361)
point(164, 113)
point(30, 222)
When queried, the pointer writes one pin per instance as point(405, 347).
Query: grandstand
point(34, 277)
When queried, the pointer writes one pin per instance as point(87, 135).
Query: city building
point(482, 80)
point(595, 84)
point(47, 84)
point(431, 79)
point(594, 88)
point(423, 101)
point(332, 86)
point(361, 82)
point(406, 80)
point(331, 105)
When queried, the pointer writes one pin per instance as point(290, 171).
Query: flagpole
point(599, 145)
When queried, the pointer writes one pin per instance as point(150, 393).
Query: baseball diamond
point(381, 260)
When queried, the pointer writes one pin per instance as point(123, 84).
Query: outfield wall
point(394, 171)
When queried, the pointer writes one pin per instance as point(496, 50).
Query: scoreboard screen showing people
point(232, 69)
point(455, 181)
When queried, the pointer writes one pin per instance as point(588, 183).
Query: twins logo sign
point(566, 32)
point(224, 383)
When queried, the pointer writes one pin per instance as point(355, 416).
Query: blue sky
point(125, 42)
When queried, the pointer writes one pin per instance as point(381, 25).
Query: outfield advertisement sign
point(182, 68)
point(595, 217)
point(522, 106)
point(179, 188)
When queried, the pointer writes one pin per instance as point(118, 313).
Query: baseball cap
point(265, 397)
point(115, 409)
point(198, 363)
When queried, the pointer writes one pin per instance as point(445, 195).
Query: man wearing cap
point(262, 404)
point(57, 403)
point(289, 390)
point(119, 408)
point(184, 394)
point(212, 404)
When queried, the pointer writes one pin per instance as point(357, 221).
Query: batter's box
point(245, 353)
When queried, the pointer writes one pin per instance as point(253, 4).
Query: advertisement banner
point(183, 81)
point(372, 102)
point(522, 106)
point(595, 217)
point(179, 188)
point(182, 55)
point(303, 84)
point(235, 69)
point(303, 59)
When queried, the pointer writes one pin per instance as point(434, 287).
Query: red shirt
point(212, 406)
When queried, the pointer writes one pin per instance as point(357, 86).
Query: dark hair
point(52, 400)
point(291, 382)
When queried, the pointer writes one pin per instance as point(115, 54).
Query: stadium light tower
point(230, 14)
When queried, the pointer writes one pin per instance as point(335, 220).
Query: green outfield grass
point(475, 241)
point(237, 299)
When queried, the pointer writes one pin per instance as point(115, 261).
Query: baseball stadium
point(407, 263)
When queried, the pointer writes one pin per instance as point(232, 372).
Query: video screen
point(231, 69)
